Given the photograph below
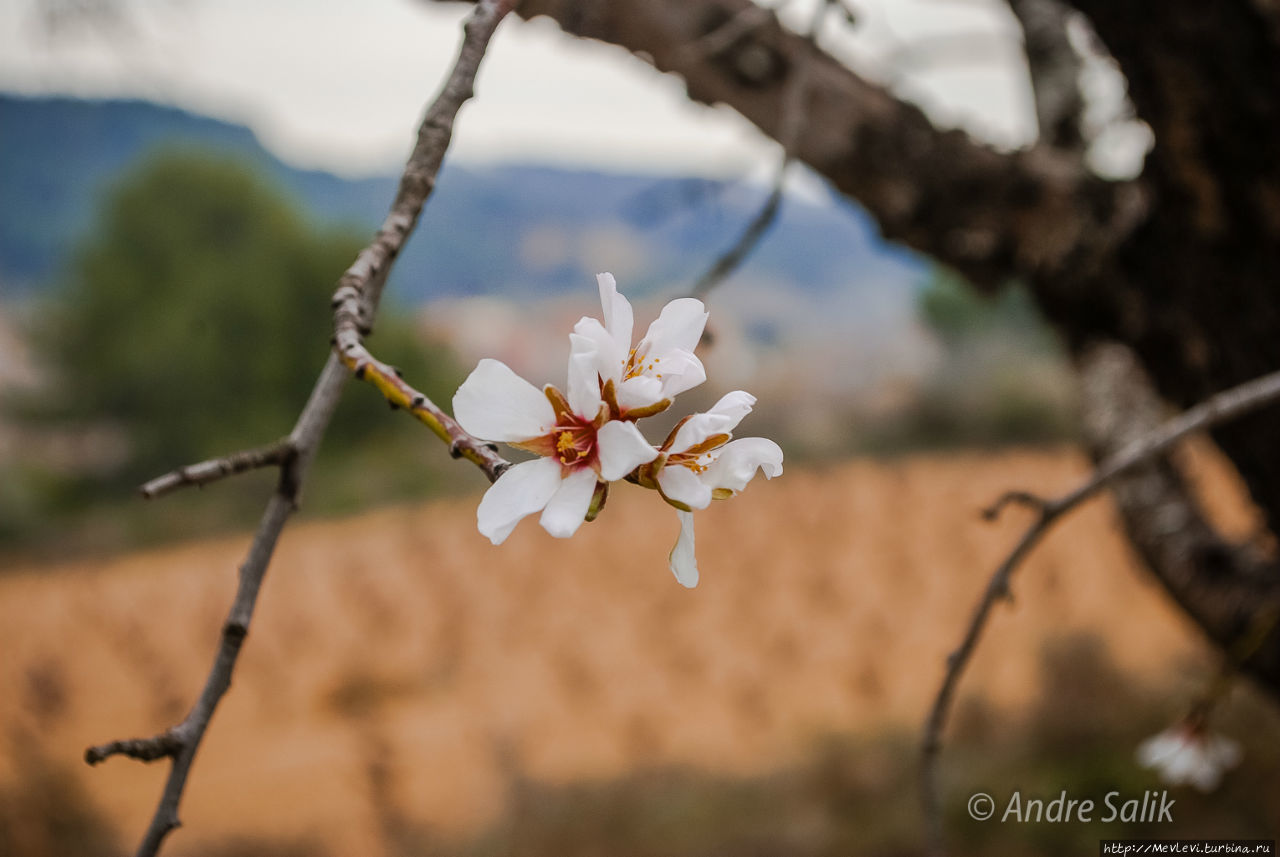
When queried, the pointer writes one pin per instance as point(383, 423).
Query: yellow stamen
point(567, 448)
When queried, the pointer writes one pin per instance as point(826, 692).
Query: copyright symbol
point(981, 806)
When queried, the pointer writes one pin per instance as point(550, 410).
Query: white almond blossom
point(588, 438)
point(700, 462)
point(643, 380)
point(581, 449)
point(1188, 754)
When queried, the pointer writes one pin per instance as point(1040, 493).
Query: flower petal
point(677, 328)
point(640, 392)
point(524, 489)
point(1204, 777)
point(1184, 766)
point(683, 562)
point(680, 370)
point(612, 352)
point(495, 403)
point(584, 377)
point(738, 460)
point(1156, 749)
point(682, 485)
point(622, 449)
point(567, 509)
point(723, 417)
point(734, 406)
point(618, 318)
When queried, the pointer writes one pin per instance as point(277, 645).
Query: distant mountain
point(516, 231)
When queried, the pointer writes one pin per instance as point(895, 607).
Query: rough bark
point(1229, 589)
point(991, 215)
point(1205, 266)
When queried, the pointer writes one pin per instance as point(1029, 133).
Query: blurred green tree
point(196, 314)
point(956, 313)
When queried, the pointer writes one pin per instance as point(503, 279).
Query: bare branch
point(218, 468)
point(1019, 498)
point(792, 125)
point(363, 283)
point(1224, 406)
point(388, 382)
point(1055, 69)
point(360, 287)
point(722, 38)
point(991, 215)
point(1222, 585)
point(161, 746)
point(729, 261)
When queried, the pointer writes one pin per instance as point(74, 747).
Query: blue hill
point(510, 230)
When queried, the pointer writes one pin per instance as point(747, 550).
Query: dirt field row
point(828, 602)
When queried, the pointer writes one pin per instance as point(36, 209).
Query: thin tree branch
point(360, 287)
point(364, 280)
point(991, 215)
point(1054, 68)
point(729, 261)
point(1221, 584)
point(402, 396)
point(219, 468)
point(142, 749)
point(722, 38)
point(789, 135)
point(1221, 408)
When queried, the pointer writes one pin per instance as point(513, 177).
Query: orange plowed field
point(828, 602)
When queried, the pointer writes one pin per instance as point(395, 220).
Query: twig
point(789, 134)
point(388, 382)
point(360, 287)
point(1055, 68)
point(1220, 408)
point(721, 38)
point(729, 261)
point(218, 468)
point(365, 279)
point(142, 749)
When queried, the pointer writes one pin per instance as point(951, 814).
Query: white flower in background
point(1187, 754)
point(581, 449)
point(643, 380)
point(700, 462)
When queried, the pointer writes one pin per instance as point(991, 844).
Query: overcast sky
point(340, 84)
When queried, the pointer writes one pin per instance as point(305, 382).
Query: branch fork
point(1220, 408)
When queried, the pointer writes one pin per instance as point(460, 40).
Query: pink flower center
point(575, 443)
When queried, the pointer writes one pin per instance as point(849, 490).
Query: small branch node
point(1020, 498)
point(162, 746)
point(235, 631)
point(214, 469)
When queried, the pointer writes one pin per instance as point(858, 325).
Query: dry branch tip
point(162, 746)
